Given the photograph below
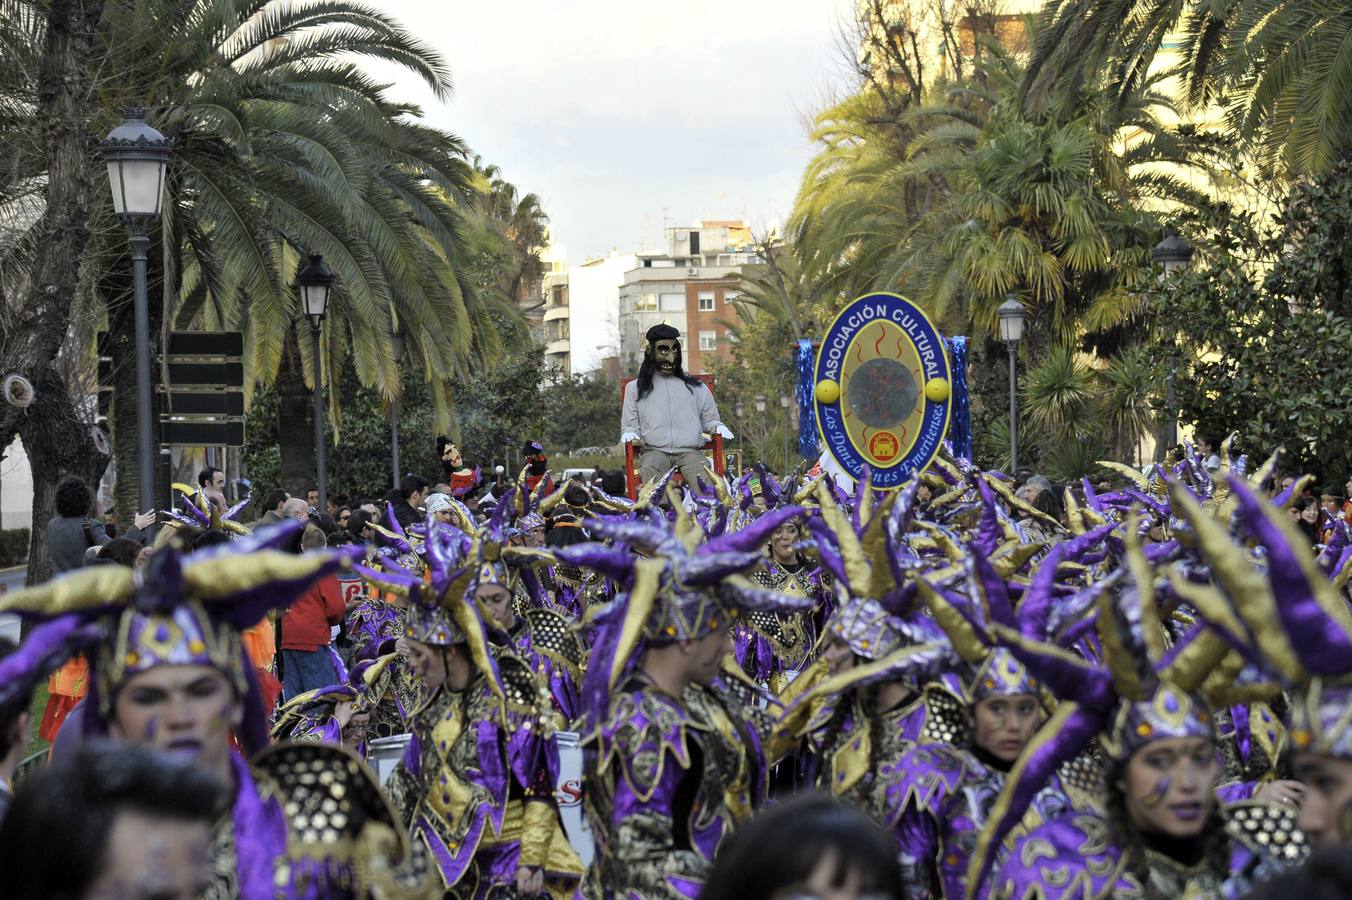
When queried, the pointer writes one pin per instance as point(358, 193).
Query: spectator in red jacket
point(307, 659)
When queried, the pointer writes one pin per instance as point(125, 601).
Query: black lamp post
point(1173, 254)
point(740, 411)
point(760, 416)
point(397, 348)
point(316, 280)
point(137, 156)
point(784, 405)
point(1012, 315)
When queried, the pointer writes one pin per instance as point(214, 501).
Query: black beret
point(662, 332)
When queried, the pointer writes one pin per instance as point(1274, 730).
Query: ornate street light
point(784, 405)
point(137, 156)
point(1173, 255)
point(397, 351)
point(1012, 315)
point(315, 281)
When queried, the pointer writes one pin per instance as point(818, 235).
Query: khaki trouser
point(654, 463)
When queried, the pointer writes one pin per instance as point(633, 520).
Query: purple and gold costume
point(476, 785)
point(307, 820)
point(668, 777)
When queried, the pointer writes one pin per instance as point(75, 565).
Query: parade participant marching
point(476, 784)
point(169, 671)
point(1163, 831)
point(674, 759)
point(340, 713)
point(668, 411)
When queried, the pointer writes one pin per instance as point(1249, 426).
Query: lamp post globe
point(315, 280)
point(1173, 254)
point(137, 156)
point(1012, 315)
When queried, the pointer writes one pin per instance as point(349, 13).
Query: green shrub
point(13, 546)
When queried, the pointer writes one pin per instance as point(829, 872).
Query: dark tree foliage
point(1270, 319)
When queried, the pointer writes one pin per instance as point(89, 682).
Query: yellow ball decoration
point(828, 391)
point(936, 390)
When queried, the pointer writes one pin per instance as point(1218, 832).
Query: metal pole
point(394, 440)
point(166, 487)
point(785, 470)
point(1013, 414)
point(319, 416)
point(1171, 402)
point(145, 427)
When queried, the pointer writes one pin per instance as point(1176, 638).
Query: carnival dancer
point(668, 411)
point(340, 713)
point(1163, 830)
point(169, 671)
point(938, 796)
point(476, 785)
point(674, 760)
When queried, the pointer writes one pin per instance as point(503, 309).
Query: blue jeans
point(306, 670)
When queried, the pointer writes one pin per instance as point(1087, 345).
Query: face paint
point(1157, 793)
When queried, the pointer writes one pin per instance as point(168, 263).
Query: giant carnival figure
point(668, 411)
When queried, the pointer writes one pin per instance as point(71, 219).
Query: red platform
point(631, 482)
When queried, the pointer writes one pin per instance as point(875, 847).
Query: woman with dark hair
point(812, 846)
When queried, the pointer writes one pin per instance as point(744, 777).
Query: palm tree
point(284, 146)
point(1279, 68)
point(287, 147)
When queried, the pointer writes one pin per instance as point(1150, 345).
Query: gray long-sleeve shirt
point(673, 417)
point(66, 541)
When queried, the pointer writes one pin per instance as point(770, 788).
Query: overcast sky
point(620, 113)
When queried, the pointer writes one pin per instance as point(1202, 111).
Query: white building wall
point(594, 307)
point(16, 488)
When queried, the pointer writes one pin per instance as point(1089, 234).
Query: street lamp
point(740, 412)
point(137, 156)
point(1012, 315)
point(397, 350)
point(760, 416)
point(1173, 254)
point(316, 280)
point(784, 405)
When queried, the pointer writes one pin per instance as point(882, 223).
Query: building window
point(672, 302)
point(708, 340)
point(694, 243)
point(645, 302)
point(706, 301)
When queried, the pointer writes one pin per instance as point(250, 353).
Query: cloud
point(615, 111)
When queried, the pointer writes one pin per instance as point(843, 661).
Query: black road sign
point(202, 403)
point(203, 434)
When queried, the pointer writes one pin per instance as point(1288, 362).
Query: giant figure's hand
point(629, 437)
point(724, 431)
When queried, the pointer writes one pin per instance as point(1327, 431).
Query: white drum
point(568, 794)
point(383, 754)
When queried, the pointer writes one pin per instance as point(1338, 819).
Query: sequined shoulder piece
point(945, 717)
point(1070, 858)
point(1268, 830)
point(519, 683)
point(645, 732)
point(1082, 778)
point(926, 774)
point(552, 635)
point(327, 794)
